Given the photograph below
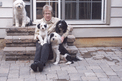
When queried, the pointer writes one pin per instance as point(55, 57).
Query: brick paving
point(98, 64)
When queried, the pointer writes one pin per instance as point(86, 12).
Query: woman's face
point(47, 15)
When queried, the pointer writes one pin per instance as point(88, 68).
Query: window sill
point(86, 22)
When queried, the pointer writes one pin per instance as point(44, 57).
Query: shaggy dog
point(61, 28)
point(42, 33)
point(55, 40)
point(20, 14)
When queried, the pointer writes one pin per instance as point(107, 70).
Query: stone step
point(26, 41)
point(27, 53)
point(19, 31)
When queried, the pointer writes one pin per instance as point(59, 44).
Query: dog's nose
point(19, 6)
point(53, 39)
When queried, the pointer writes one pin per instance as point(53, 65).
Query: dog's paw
point(69, 63)
point(80, 58)
point(23, 26)
point(17, 25)
point(42, 44)
point(55, 63)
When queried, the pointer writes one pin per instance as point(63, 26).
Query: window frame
point(34, 9)
point(105, 21)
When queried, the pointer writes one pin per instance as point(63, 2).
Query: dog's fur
point(61, 28)
point(57, 47)
point(42, 33)
point(20, 17)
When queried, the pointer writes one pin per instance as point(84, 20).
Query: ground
point(2, 43)
point(98, 64)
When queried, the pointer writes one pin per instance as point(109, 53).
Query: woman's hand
point(37, 37)
point(62, 39)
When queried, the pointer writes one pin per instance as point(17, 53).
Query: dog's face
point(55, 38)
point(42, 26)
point(61, 26)
point(19, 4)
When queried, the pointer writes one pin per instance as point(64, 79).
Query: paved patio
point(98, 64)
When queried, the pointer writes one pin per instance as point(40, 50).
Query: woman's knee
point(45, 45)
point(38, 46)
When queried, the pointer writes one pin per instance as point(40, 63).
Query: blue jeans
point(43, 53)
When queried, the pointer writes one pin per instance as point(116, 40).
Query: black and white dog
point(58, 49)
point(43, 36)
point(61, 28)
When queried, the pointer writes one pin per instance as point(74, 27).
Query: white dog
point(42, 33)
point(20, 14)
point(55, 40)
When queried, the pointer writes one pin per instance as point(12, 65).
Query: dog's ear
point(57, 28)
point(59, 39)
point(65, 26)
point(45, 25)
point(51, 35)
point(38, 26)
point(49, 38)
point(14, 4)
point(23, 3)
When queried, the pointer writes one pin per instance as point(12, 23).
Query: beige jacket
point(51, 28)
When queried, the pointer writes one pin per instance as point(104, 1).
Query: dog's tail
point(29, 21)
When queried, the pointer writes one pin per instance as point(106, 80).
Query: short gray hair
point(47, 7)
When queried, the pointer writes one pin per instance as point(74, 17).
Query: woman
point(43, 53)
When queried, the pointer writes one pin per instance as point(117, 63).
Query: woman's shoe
point(40, 65)
point(34, 66)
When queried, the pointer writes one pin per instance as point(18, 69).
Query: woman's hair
point(47, 7)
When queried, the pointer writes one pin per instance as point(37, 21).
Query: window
point(75, 11)
point(41, 3)
point(28, 8)
point(83, 9)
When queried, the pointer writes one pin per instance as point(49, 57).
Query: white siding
point(116, 2)
point(97, 32)
point(116, 12)
point(116, 22)
point(6, 23)
point(2, 33)
point(6, 12)
point(7, 3)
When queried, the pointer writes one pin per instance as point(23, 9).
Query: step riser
point(21, 53)
point(20, 34)
point(28, 44)
point(22, 31)
point(30, 41)
point(20, 45)
point(15, 58)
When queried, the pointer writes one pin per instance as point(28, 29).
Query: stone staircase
point(21, 46)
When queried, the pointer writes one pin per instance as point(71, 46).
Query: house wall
point(113, 29)
point(102, 35)
point(6, 16)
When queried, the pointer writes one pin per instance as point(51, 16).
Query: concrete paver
point(108, 68)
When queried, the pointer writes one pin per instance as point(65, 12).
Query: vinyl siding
point(6, 13)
